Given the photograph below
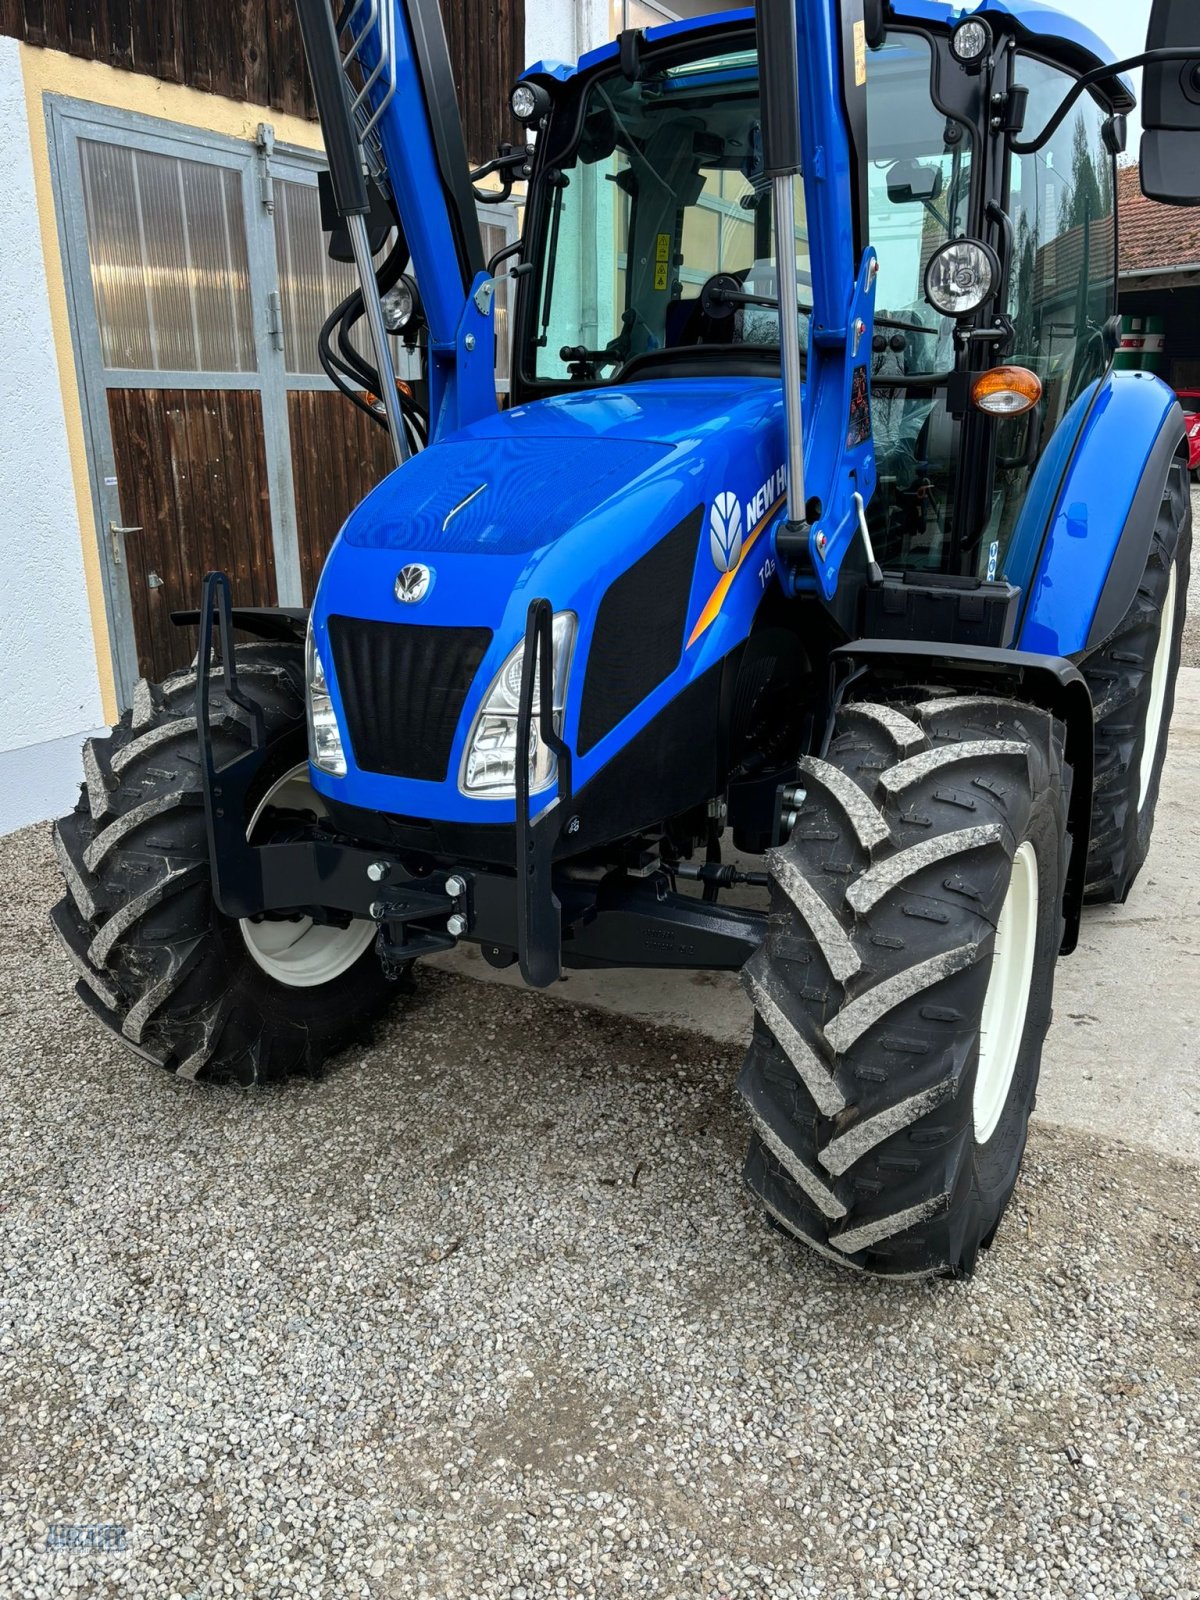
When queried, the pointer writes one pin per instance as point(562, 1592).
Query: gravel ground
point(485, 1313)
point(1191, 630)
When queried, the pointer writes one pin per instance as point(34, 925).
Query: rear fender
point(1081, 561)
point(1047, 681)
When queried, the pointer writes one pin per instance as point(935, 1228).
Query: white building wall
point(49, 690)
point(563, 30)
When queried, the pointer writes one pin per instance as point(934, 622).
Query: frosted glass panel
point(310, 284)
point(167, 249)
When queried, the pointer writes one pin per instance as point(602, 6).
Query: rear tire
point(178, 982)
point(886, 1131)
point(1132, 678)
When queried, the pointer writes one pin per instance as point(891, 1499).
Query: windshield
point(662, 195)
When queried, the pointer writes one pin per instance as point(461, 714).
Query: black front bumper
point(535, 912)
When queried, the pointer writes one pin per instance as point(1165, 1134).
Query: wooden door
point(338, 456)
point(171, 270)
point(192, 479)
point(199, 278)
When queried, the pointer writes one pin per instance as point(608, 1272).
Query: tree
point(1089, 201)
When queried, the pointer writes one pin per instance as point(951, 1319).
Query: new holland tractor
point(811, 610)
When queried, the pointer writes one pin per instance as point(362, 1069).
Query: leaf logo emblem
point(412, 583)
point(725, 531)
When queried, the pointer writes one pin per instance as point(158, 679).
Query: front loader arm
point(813, 67)
point(389, 99)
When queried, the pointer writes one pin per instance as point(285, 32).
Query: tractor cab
point(650, 249)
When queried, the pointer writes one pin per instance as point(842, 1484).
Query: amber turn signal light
point(1006, 391)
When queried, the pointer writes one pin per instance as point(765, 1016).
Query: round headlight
point(530, 102)
point(970, 42)
point(961, 277)
point(524, 102)
point(399, 305)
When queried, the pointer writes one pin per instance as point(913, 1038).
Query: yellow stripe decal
point(716, 599)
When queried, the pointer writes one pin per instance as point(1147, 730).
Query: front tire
point(904, 990)
point(204, 995)
point(1132, 678)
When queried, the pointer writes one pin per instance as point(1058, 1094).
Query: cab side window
point(919, 184)
point(1062, 287)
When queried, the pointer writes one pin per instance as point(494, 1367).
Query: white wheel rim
point(1159, 675)
point(303, 954)
point(1007, 998)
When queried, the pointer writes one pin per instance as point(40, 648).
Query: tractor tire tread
point(1119, 674)
point(869, 987)
point(154, 959)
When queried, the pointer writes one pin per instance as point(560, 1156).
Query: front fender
point(1084, 558)
point(1047, 681)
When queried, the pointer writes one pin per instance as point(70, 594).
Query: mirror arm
point(512, 163)
point(1148, 58)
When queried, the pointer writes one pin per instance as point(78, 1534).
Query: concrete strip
point(1120, 1060)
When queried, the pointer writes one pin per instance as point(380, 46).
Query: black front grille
point(638, 637)
point(403, 688)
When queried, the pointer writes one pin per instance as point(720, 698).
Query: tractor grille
point(638, 638)
point(403, 688)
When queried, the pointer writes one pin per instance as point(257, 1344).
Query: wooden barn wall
point(487, 47)
point(251, 49)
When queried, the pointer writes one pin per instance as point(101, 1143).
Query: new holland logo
point(725, 531)
point(412, 583)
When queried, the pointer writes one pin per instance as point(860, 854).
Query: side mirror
point(875, 22)
point(1171, 116)
point(912, 182)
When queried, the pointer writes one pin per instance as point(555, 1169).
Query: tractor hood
point(516, 483)
point(667, 488)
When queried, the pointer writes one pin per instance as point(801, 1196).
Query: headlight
point(961, 277)
point(489, 764)
point(971, 41)
point(399, 304)
point(324, 736)
point(524, 102)
point(529, 102)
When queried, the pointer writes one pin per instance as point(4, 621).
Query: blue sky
point(1122, 26)
point(1120, 23)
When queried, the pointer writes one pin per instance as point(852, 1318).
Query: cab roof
point(1032, 22)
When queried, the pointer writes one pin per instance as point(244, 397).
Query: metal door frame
point(68, 122)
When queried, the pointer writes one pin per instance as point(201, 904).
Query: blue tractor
point(821, 559)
